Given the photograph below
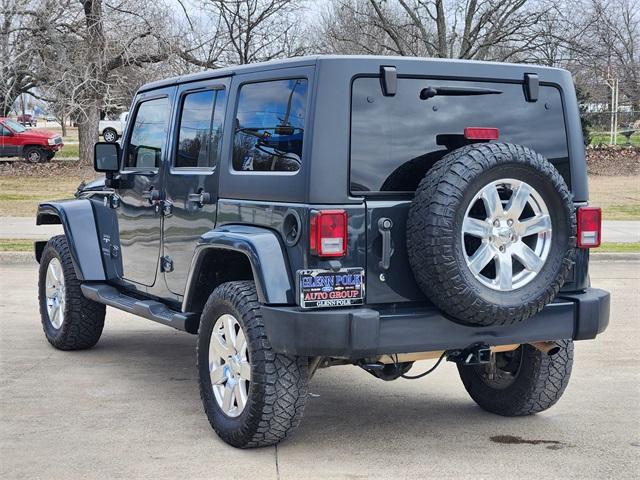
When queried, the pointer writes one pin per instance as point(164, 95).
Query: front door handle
point(152, 195)
point(201, 198)
point(384, 227)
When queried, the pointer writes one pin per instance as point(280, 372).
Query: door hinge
point(166, 264)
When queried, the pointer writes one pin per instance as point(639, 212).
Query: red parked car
point(34, 145)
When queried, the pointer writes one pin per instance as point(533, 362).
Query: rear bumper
point(355, 333)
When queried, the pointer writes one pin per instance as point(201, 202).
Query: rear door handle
point(152, 195)
point(384, 227)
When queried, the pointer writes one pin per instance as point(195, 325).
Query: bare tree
point(257, 30)
point(471, 29)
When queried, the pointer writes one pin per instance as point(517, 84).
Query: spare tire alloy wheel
point(229, 366)
point(515, 238)
point(491, 234)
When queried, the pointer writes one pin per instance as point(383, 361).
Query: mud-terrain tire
point(275, 397)
point(35, 155)
point(439, 251)
point(538, 382)
point(110, 135)
point(82, 320)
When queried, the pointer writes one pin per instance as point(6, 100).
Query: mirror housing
point(106, 157)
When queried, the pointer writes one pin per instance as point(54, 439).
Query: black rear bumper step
point(367, 331)
point(150, 309)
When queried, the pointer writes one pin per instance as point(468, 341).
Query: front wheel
point(70, 320)
point(252, 396)
point(35, 155)
point(521, 382)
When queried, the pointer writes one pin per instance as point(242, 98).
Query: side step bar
point(150, 309)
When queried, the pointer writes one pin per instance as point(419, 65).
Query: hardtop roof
point(374, 60)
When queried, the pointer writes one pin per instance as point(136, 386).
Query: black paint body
point(145, 232)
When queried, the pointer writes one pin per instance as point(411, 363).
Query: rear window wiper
point(430, 92)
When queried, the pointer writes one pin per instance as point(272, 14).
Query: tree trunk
point(88, 133)
point(63, 124)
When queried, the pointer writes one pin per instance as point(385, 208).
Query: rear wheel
point(70, 321)
point(520, 382)
point(252, 396)
point(110, 135)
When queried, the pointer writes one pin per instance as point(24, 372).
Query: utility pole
point(613, 130)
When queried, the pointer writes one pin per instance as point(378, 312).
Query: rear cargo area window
point(396, 140)
point(270, 126)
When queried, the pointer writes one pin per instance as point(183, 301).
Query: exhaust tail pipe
point(550, 348)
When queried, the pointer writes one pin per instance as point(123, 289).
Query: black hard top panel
point(405, 65)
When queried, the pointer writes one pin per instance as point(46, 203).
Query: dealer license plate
point(327, 288)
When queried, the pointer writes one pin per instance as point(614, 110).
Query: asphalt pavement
point(129, 408)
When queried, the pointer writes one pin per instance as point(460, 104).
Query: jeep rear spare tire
point(491, 233)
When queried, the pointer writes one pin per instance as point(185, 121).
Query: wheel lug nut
point(496, 223)
point(502, 248)
point(509, 222)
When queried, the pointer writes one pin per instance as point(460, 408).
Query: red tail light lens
point(328, 233)
point(477, 133)
point(589, 227)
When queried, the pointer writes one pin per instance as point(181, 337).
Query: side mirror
point(106, 157)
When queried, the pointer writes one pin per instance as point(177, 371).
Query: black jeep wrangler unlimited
point(320, 211)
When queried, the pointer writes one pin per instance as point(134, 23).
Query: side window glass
point(270, 126)
point(149, 134)
point(4, 132)
point(194, 139)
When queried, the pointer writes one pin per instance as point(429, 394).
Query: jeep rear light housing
point(328, 233)
point(589, 227)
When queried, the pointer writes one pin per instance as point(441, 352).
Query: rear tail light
point(589, 227)
point(481, 133)
point(328, 233)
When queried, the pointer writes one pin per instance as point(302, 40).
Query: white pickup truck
point(111, 130)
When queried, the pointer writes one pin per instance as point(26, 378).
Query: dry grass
point(619, 197)
point(19, 196)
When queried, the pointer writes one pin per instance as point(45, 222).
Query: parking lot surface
point(130, 408)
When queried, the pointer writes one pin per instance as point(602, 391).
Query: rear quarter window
point(396, 140)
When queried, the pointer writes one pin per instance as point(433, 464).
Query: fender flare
point(265, 253)
point(78, 221)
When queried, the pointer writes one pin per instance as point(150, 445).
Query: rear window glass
point(396, 140)
point(270, 126)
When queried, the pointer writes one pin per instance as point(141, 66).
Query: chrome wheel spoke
point(535, 225)
point(245, 370)
point(218, 346)
point(518, 201)
point(217, 374)
point(504, 271)
point(240, 396)
point(476, 228)
point(229, 332)
point(527, 257)
point(227, 398)
point(492, 202)
point(481, 258)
